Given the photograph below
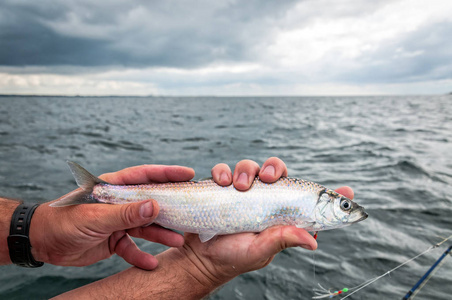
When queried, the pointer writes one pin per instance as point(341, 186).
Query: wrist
point(37, 234)
point(7, 209)
point(195, 272)
point(176, 277)
point(203, 268)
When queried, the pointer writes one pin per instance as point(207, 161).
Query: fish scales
point(208, 209)
point(204, 206)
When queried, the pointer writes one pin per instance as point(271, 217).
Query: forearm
point(176, 277)
point(7, 208)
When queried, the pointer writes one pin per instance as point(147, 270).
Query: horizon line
point(218, 96)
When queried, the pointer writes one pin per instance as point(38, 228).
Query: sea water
point(395, 152)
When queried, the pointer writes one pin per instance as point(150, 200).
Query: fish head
point(334, 210)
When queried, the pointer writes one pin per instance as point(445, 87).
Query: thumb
point(125, 216)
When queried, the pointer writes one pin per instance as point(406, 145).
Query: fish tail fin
point(86, 181)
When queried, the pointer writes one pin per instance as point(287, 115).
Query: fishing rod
point(324, 293)
point(420, 284)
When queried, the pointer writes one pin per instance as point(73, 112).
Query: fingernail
point(147, 209)
point(306, 246)
point(224, 178)
point(243, 178)
point(269, 170)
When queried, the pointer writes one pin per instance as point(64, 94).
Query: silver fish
point(205, 208)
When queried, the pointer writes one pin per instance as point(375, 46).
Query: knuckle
point(127, 214)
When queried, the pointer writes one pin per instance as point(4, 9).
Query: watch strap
point(18, 240)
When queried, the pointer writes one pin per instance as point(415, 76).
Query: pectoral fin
point(305, 225)
point(206, 236)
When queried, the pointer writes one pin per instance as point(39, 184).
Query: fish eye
point(345, 205)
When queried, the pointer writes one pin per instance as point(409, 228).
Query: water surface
point(394, 151)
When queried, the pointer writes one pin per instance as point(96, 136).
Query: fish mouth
point(358, 215)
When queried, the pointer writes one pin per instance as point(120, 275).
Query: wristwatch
point(18, 240)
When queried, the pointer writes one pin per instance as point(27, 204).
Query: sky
point(226, 48)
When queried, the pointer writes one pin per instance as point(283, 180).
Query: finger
point(157, 234)
point(275, 239)
point(346, 191)
point(244, 174)
point(126, 248)
point(111, 218)
point(222, 174)
point(273, 169)
point(149, 173)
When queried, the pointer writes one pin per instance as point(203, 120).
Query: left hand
point(81, 235)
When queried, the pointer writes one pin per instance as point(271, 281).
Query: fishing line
point(313, 258)
point(324, 293)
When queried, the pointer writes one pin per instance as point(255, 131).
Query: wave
point(183, 140)
point(54, 285)
point(119, 145)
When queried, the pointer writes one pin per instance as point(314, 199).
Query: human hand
point(81, 235)
point(228, 256)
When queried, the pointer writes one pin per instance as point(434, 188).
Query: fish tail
point(86, 181)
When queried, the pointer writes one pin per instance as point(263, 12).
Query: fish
point(208, 209)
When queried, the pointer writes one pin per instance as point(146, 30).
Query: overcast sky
point(311, 47)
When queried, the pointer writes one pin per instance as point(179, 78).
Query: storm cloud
point(225, 47)
point(135, 34)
